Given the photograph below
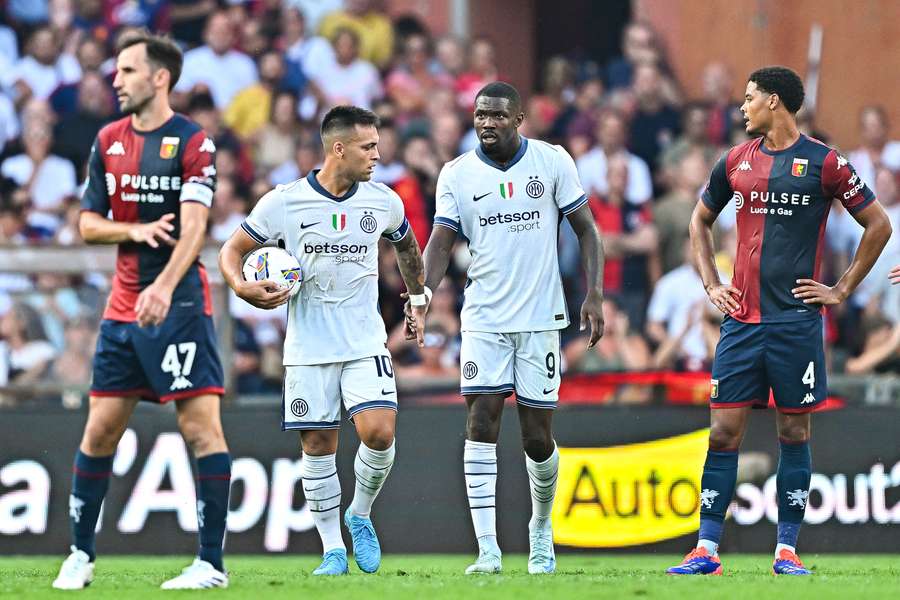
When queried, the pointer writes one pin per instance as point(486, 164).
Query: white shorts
point(313, 393)
point(527, 363)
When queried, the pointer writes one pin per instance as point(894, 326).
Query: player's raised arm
point(261, 294)
point(585, 228)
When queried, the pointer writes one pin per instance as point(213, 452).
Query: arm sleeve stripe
point(256, 237)
point(448, 223)
point(574, 205)
point(196, 192)
point(399, 233)
point(855, 209)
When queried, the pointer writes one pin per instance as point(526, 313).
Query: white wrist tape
point(420, 299)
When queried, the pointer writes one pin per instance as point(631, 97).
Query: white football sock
point(371, 468)
point(712, 548)
point(480, 467)
point(323, 494)
point(780, 547)
point(542, 478)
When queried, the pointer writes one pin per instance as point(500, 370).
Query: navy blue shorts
point(174, 360)
point(786, 358)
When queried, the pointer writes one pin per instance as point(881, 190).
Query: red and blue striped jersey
point(782, 199)
point(137, 177)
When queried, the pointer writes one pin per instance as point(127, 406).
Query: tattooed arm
point(412, 269)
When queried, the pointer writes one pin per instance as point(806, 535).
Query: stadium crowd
point(258, 75)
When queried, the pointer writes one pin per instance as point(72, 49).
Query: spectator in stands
point(43, 68)
point(75, 132)
point(202, 109)
point(251, 108)
point(374, 31)
point(409, 84)
point(450, 56)
point(577, 121)
point(91, 55)
point(276, 142)
point(639, 46)
point(48, 178)
point(672, 214)
point(880, 348)
point(435, 360)
point(73, 365)
point(680, 319)
point(620, 348)
point(9, 122)
point(612, 133)
point(216, 66)
point(446, 131)
point(352, 80)
point(29, 352)
point(389, 170)
point(629, 238)
point(253, 40)
point(655, 124)
point(876, 150)
point(422, 162)
point(725, 116)
point(694, 123)
point(312, 55)
point(228, 211)
point(482, 69)
point(187, 19)
point(307, 156)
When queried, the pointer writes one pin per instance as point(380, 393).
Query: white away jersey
point(510, 216)
point(334, 317)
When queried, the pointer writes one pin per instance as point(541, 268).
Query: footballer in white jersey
point(335, 352)
point(507, 198)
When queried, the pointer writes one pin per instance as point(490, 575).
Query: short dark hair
point(347, 117)
point(782, 81)
point(501, 89)
point(162, 52)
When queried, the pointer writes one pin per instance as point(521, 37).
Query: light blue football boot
point(366, 549)
point(334, 562)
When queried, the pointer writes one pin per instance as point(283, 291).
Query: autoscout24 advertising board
point(629, 481)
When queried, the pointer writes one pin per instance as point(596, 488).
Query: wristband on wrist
point(420, 299)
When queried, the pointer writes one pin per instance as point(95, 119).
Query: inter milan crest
point(368, 222)
point(169, 147)
point(534, 187)
point(299, 407)
point(470, 370)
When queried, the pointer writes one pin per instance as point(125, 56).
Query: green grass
point(433, 577)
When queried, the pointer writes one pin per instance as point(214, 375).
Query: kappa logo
point(798, 498)
point(738, 200)
point(745, 166)
point(207, 146)
point(808, 398)
point(117, 149)
point(209, 171)
point(75, 506)
point(841, 162)
point(299, 407)
point(180, 383)
point(201, 518)
point(707, 497)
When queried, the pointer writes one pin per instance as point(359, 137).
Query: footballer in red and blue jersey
point(138, 177)
point(783, 184)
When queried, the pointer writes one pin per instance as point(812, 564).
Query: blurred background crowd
point(259, 74)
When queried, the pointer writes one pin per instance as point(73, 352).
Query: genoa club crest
point(169, 147)
point(800, 166)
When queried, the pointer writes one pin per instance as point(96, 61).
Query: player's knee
point(482, 426)
point(102, 436)
point(378, 437)
point(723, 438)
point(201, 436)
point(538, 445)
point(794, 433)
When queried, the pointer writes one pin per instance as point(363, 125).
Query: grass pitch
point(433, 577)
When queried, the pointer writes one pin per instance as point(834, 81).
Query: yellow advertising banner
point(629, 495)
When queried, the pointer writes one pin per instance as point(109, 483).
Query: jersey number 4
point(809, 377)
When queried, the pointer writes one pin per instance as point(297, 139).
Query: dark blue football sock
point(212, 505)
point(792, 485)
point(90, 480)
point(716, 491)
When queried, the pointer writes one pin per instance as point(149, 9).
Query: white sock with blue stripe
point(371, 468)
point(480, 466)
point(542, 478)
point(323, 495)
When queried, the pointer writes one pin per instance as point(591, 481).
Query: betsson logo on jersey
point(342, 253)
point(528, 220)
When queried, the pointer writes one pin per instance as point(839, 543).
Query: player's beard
point(135, 105)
